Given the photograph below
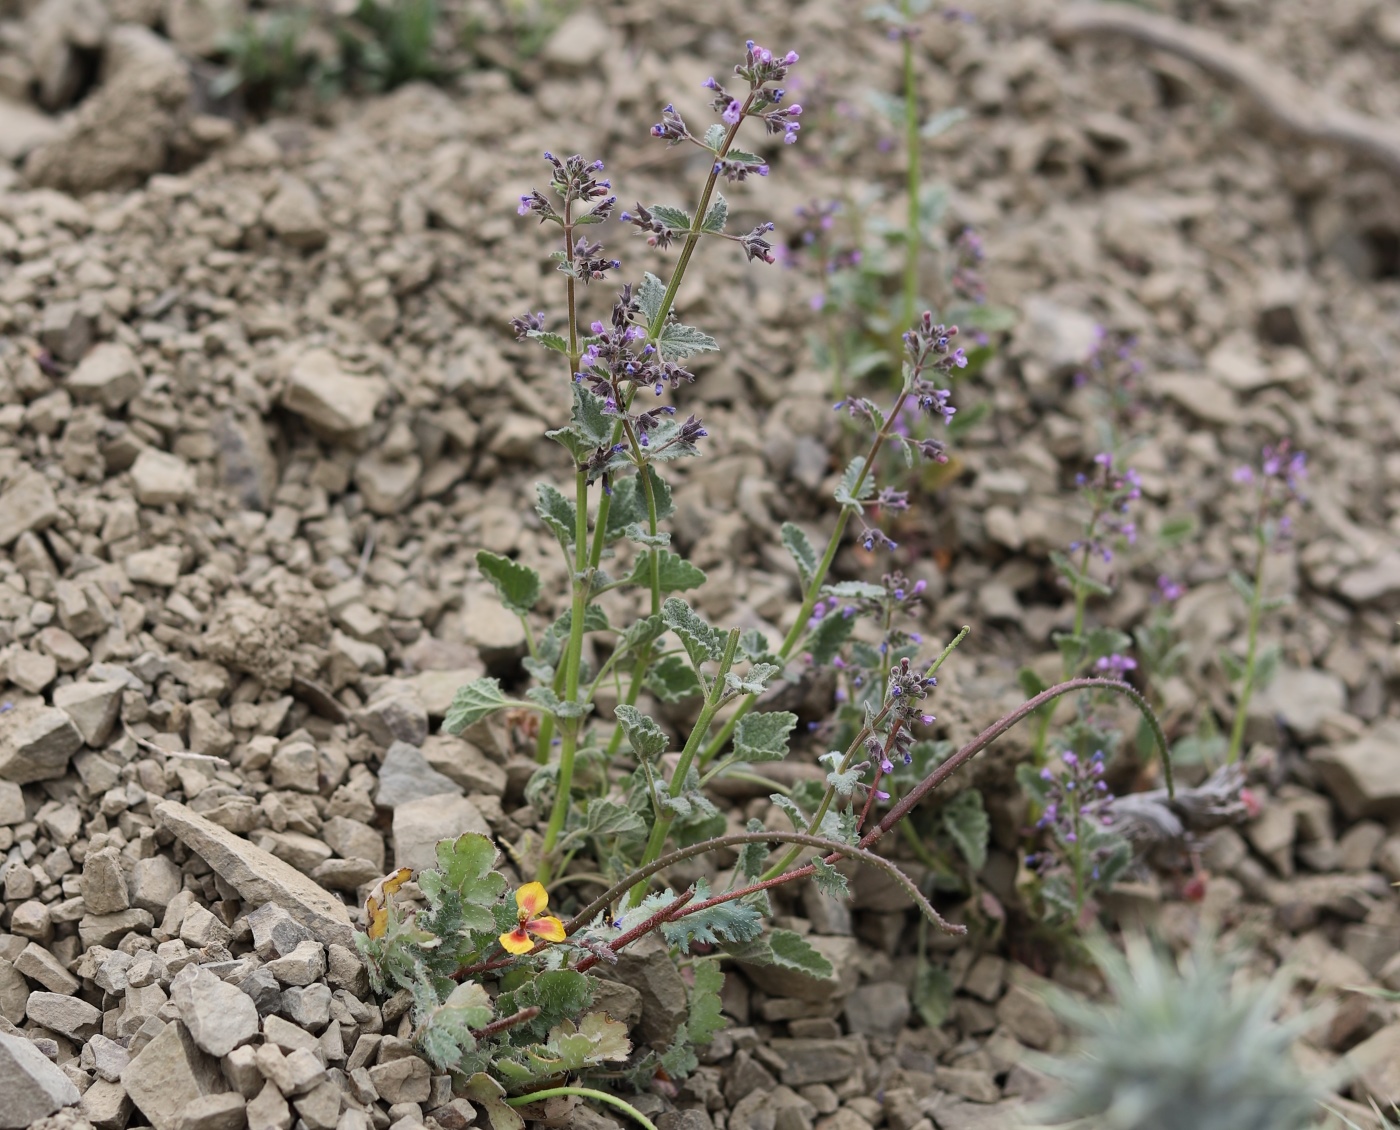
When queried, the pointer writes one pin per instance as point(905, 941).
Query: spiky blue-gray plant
point(1179, 1048)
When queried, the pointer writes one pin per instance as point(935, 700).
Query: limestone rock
point(93, 708)
point(159, 477)
point(294, 215)
point(28, 503)
point(388, 486)
point(104, 883)
point(1364, 776)
point(168, 1074)
point(330, 400)
point(406, 775)
point(258, 876)
point(123, 131)
point(31, 1087)
point(420, 824)
point(36, 742)
point(110, 374)
point(219, 1017)
point(158, 566)
point(70, 1016)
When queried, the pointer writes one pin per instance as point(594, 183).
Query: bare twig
point(1281, 97)
point(184, 754)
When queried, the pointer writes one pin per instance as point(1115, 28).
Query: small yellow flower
point(531, 901)
point(377, 904)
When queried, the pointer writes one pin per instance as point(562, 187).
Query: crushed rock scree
point(257, 416)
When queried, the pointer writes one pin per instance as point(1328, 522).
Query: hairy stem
point(573, 657)
point(586, 1093)
point(713, 700)
point(854, 748)
point(999, 727)
point(814, 588)
point(1256, 609)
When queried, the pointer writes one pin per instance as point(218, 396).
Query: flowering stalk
point(927, 347)
point(893, 701)
point(714, 698)
point(1280, 479)
point(581, 261)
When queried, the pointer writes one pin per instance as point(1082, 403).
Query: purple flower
point(732, 113)
point(1114, 666)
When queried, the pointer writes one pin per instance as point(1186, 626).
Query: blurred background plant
point(1185, 1045)
point(373, 46)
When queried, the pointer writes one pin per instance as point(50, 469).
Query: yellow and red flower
point(531, 902)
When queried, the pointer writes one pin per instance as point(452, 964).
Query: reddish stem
point(665, 914)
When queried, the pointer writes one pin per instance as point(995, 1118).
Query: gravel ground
point(259, 407)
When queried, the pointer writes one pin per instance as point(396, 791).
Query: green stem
point(587, 1093)
point(1256, 609)
point(911, 141)
point(693, 236)
point(714, 699)
point(814, 588)
point(829, 796)
point(573, 657)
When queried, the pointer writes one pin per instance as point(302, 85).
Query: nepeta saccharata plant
point(1278, 482)
point(620, 810)
point(1180, 1049)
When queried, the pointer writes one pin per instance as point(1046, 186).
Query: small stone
point(36, 742)
point(388, 486)
point(1027, 1017)
point(224, 1111)
point(110, 929)
point(109, 1058)
point(31, 1087)
point(158, 477)
point(405, 1080)
point(295, 1073)
point(258, 876)
point(978, 1086)
point(345, 874)
point(275, 932)
point(38, 964)
point(269, 1111)
point(1362, 776)
point(110, 374)
point(345, 970)
point(396, 716)
point(294, 214)
point(287, 1035)
point(878, 1009)
point(14, 993)
point(28, 503)
point(332, 401)
point(168, 1075)
point(1371, 583)
point(297, 767)
point(308, 1006)
point(320, 1107)
point(353, 839)
point(31, 670)
point(262, 988)
point(219, 1017)
point(154, 883)
point(420, 824)
point(1202, 397)
point(106, 1105)
point(11, 804)
point(240, 1068)
point(32, 919)
point(104, 883)
point(816, 1061)
point(93, 707)
point(200, 928)
point(464, 763)
point(69, 1016)
point(582, 39)
point(302, 966)
point(1301, 698)
point(405, 775)
point(158, 566)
